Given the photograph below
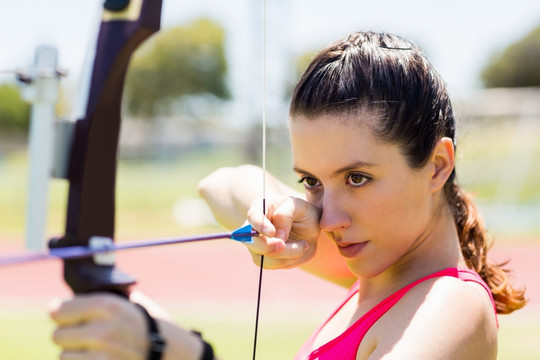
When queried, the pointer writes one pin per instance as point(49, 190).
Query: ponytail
point(475, 242)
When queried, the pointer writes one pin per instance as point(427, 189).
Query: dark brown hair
point(389, 76)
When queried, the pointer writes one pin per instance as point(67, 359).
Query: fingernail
point(301, 244)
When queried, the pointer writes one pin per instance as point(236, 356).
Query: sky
point(458, 36)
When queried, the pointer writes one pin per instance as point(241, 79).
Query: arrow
point(103, 245)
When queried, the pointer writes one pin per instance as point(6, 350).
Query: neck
point(436, 249)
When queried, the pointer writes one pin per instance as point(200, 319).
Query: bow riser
point(93, 161)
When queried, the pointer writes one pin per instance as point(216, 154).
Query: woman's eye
point(357, 179)
point(308, 182)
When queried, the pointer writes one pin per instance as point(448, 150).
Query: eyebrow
point(355, 165)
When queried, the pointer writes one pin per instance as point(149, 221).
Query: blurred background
point(193, 103)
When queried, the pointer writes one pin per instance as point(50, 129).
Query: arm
point(229, 193)
point(101, 324)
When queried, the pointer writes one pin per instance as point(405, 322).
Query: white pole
point(41, 89)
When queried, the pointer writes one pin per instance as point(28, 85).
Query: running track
point(221, 270)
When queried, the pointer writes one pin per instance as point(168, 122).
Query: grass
point(498, 160)
point(26, 334)
point(518, 337)
point(233, 337)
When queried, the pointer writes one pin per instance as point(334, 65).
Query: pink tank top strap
point(305, 350)
point(345, 346)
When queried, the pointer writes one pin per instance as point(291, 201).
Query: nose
point(334, 215)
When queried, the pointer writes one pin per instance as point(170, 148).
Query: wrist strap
point(157, 344)
point(208, 351)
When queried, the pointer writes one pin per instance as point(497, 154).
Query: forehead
point(332, 141)
point(356, 128)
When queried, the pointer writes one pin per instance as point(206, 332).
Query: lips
point(349, 250)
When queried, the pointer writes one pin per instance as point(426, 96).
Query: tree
point(301, 62)
point(181, 61)
point(14, 112)
point(517, 66)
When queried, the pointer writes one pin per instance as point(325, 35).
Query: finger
point(259, 220)
point(277, 218)
point(98, 337)
point(76, 338)
point(95, 354)
point(263, 245)
point(84, 308)
point(261, 213)
point(296, 219)
point(283, 218)
point(66, 312)
point(292, 250)
point(85, 336)
point(274, 263)
point(293, 254)
point(75, 355)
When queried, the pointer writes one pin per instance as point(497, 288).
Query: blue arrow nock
point(244, 234)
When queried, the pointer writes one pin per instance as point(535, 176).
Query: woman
point(373, 141)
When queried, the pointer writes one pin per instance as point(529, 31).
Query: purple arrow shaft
point(77, 252)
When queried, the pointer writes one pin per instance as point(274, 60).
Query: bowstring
point(261, 266)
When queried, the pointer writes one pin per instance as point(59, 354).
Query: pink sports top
point(345, 346)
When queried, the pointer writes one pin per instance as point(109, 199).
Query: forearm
point(181, 343)
point(229, 192)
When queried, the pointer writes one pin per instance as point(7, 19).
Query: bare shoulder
point(443, 318)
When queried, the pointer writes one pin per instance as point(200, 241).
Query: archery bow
point(93, 157)
point(91, 169)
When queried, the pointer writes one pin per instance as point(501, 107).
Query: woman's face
point(374, 206)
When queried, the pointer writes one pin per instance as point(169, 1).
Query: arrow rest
point(88, 275)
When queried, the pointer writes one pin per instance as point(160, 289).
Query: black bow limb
point(93, 158)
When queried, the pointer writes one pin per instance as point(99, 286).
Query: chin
point(365, 270)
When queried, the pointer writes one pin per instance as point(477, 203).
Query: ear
point(443, 162)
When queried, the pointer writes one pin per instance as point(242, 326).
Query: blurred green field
point(518, 336)
point(498, 159)
point(232, 339)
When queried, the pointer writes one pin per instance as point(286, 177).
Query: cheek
point(396, 211)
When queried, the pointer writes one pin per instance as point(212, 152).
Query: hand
point(288, 231)
point(103, 326)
